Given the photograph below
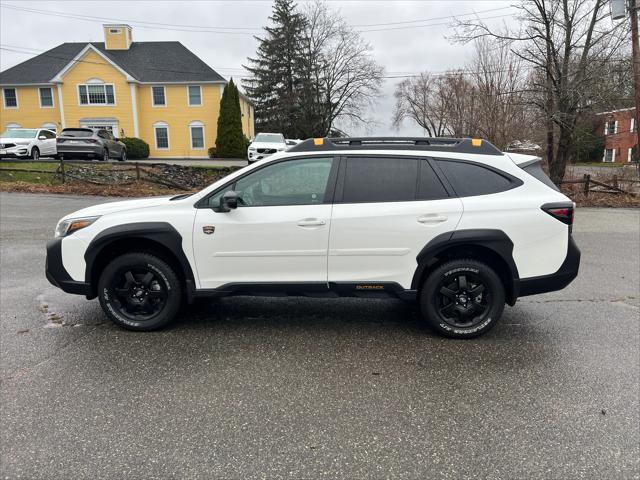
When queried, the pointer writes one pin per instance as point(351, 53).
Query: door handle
point(311, 222)
point(432, 218)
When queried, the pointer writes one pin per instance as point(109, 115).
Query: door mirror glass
point(228, 201)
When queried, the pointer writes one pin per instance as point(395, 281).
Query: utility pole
point(635, 47)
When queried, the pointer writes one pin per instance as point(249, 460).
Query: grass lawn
point(30, 177)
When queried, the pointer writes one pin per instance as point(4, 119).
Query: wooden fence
point(595, 186)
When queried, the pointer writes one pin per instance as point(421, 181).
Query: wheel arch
point(159, 238)
point(493, 247)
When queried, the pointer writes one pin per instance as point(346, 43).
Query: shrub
point(136, 147)
point(212, 152)
point(230, 140)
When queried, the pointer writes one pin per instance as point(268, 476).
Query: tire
point(139, 291)
point(462, 298)
point(105, 155)
point(35, 154)
point(123, 155)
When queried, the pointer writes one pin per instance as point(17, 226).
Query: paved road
point(302, 388)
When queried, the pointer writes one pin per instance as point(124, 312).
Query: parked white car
point(265, 144)
point(28, 143)
point(454, 225)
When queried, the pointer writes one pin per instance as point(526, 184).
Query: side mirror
point(229, 201)
point(291, 142)
point(42, 137)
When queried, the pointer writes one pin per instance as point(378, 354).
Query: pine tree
point(230, 141)
point(277, 72)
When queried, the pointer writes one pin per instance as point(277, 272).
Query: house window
point(611, 127)
point(10, 98)
point(158, 97)
point(162, 136)
point(195, 95)
point(609, 155)
point(96, 94)
point(197, 135)
point(50, 126)
point(46, 97)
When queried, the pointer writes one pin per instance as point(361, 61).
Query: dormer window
point(114, 30)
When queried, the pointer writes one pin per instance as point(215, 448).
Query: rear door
point(386, 210)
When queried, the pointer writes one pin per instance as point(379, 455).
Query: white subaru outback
point(454, 224)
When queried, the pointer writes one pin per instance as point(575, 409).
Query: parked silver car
point(87, 142)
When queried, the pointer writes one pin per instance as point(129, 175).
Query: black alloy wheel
point(462, 298)
point(140, 291)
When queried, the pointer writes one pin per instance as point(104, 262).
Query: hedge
point(136, 148)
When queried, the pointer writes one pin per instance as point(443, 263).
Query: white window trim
point(629, 156)
point(615, 128)
point(164, 90)
point(4, 98)
point(204, 135)
point(189, 97)
point(155, 135)
point(115, 98)
point(53, 102)
point(613, 155)
point(633, 124)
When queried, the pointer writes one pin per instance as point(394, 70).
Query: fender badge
point(208, 229)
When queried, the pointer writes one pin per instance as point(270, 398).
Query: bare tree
point(344, 79)
point(569, 43)
point(418, 99)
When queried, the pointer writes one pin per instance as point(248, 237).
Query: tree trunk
point(559, 165)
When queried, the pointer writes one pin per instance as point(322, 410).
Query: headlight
point(67, 227)
point(281, 149)
point(252, 149)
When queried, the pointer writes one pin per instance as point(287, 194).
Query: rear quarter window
point(470, 179)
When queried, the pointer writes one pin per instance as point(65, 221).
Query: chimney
point(117, 37)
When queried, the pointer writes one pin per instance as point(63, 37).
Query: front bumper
point(567, 272)
point(18, 151)
point(56, 273)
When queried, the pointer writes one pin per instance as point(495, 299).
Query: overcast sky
point(400, 48)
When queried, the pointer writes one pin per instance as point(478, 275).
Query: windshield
point(270, 138)
point(76, 132)
point(15, 133)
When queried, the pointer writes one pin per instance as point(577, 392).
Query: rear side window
point(380, 179)
point(469, 179)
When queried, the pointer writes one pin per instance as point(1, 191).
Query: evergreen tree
point(230, 141)
point(278, 72)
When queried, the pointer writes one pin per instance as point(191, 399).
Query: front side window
point(162, 137)
point(96, 94)
point(46, 97)
point(158, 96)
point(195, 95)
point(10, 98)
point(468, 179)
point(197, 137)
point(380, 179)
point(293, 182)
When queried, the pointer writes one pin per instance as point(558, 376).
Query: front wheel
point(123, 155)
point(35, 153)
point(462, 298)
point(139, 291)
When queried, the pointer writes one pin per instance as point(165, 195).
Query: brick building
point(619, 129)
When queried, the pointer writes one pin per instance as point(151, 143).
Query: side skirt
point(311, 289)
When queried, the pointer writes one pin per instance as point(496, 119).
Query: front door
point(387, 209)
point(278, 233)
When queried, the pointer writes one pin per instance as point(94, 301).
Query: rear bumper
point(56, 273)
point(567, 272)
point(80, 149)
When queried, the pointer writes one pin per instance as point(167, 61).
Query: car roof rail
point(444, 144)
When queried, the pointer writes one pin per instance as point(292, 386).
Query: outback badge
point(208, 229)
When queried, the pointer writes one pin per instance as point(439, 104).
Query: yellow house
point(157, 91)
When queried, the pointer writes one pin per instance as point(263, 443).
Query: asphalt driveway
point(312, 388)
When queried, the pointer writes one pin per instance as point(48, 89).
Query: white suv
point(454, 224)
point(28, 143)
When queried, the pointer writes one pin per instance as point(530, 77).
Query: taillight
point(560, 211)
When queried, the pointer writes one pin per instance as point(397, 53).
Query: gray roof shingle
point(145, 61)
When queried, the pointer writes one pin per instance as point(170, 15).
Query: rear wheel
point(123, 155)
point(462, 298)
point(139, 291)
point(105, 155)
